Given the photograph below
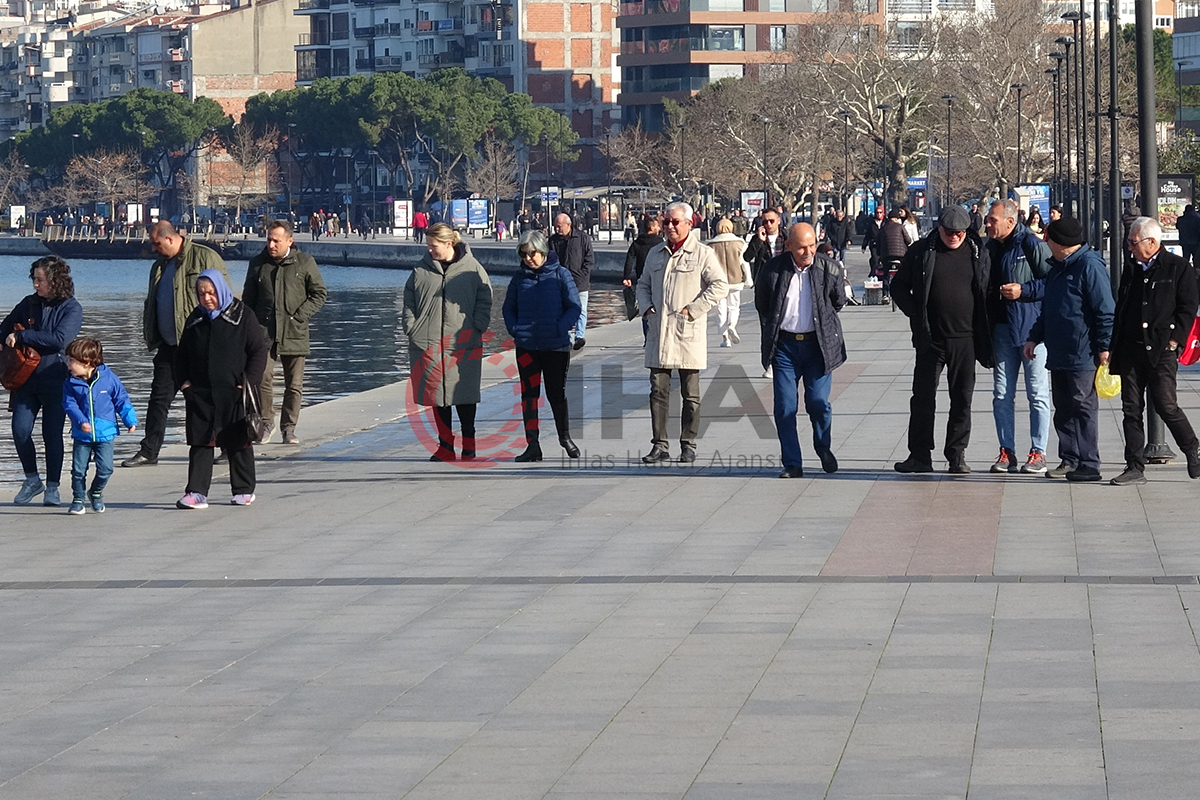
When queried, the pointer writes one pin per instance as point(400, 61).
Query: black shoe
point(1193, 459)
point(568, 445)
point(1084, 475)
point(829, 462)
point(912, 465)
point(656, 454)
point(445, 454)
point(139, 460)
point(792, 472)
point(579, 343)
point(959, 467)
point(221, 458)
point(533, 452)
point(1132, 476)
point(687, 455)
point(1061, 471)
point(468, 450)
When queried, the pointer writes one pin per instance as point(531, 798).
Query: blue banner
point(477, 214)
point(458, 213)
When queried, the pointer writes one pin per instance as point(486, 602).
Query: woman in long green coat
point(447, 308)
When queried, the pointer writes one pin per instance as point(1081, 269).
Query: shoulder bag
point(256, 426)
point(1189, 350)
point(17, 363)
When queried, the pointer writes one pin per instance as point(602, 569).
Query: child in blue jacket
point(94, 399)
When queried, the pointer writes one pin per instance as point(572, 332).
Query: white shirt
point(771, 242)
point(798, 306)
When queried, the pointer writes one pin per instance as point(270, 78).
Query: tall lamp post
point(608, 186)
point(1078, 20)
point(1068, 146)
point(766, 185)
point(1056, 183)
point(1099, 214)
point(949, 98)
point(845, 115)
point(1020, 87)
point(1179, 65)
point(884, 108)
point(1116, 243)
point(291, 152)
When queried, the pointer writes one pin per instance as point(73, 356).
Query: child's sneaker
point(77, 507)
point(192, 500)
point(97, 502)
point(30, 489)
point(242, 499)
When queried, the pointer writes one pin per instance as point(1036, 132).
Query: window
point(726, 5)
point(778, 37)
point(772, 5)
point(340, 63)
point(340, 26)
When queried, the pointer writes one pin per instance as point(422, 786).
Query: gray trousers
point(660, 397)
point(293, 389)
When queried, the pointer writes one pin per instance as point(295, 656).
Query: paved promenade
point(378, 626)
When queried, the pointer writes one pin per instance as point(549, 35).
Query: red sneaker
point(1035, 464)
point(1007, 462)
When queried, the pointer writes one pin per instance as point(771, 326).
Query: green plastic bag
point(1107, 384)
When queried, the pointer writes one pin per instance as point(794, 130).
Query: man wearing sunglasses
point(941, 286)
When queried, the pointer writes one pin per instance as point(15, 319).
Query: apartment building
point(37, 75)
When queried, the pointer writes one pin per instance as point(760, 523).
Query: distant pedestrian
point(364, 224)
point(1188, 226)
point(729, 249)
point(1076, 325)
point(1156, 306)
point(977, 220)
point(769, 241)
point(95, 400)
point(635, 263)
point(420, 223)
point(838, 234)
point(573, 247)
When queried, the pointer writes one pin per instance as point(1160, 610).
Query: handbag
point(631, 305)
point(256, 426)
point(17, 363)
point(1189, 351)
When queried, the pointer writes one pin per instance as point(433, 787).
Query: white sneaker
point(242, 499)
point(724, 342)
point(767, 373)
point(192, 500)
point(733, 336)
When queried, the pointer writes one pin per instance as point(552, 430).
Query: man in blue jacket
point(1076, 325)
point(1018, 258)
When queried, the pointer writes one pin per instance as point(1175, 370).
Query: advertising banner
point(1174, 192)
point(458, 213)
point(477, 213)
point(402, 218)
point(1035, 195)
point(15, 213)
point(752, 203)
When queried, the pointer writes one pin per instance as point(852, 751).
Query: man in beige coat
point(682, 280)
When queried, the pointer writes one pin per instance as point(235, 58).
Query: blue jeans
point(581, 325)
point(102, 454)
point(1009, 361)
point(44, 395)
point(794, 362)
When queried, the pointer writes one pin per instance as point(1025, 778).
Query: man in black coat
point(635, 262)
point(1156, 305)
point(941, 287)
point(573, 247)
point(769, 241)
point(838, 234)
point(797, 296)
point(1188, 226)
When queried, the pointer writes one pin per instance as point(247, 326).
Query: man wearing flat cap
point(941, 287)
point(1076, 324)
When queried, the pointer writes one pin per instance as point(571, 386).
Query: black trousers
point(549, 367)
point(241, 470)
point(1076, 417)
point(163, 389)
point(445, 427)
point(660, 403)
point(1159, 382)
point(957, 357)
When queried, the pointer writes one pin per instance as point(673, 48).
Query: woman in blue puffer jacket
point(541, 307)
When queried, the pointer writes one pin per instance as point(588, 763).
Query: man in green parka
point(284, 289)
point(171, 298)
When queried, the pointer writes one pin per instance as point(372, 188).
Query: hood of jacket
point(648, 240)
point(549, 265)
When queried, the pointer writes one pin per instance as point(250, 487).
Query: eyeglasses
point(528, 253)
point(1136, 242)
point(675, 222)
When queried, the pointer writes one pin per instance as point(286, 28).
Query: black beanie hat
point(1065, 231)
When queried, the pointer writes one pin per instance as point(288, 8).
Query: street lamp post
point(1179, 65)
point(374, 192)
point(292, 160)
point(1055, 76)
point(884, 108)
point(949, 98)
point(1115, 242)
point(845, 115)
point(1078, 20)
point(608, 186)
point(1099, 213)
point(1020, 87)
point(766, 186)
point(1068, 125)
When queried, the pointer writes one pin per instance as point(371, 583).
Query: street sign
point(549, 194)
point(917, 182)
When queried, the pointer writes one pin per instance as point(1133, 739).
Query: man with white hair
point(1156, 304)
point(1020, 262)
point(682, 280)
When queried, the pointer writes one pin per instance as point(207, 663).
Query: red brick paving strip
point(921, 527)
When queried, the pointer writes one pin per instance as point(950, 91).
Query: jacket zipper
point(91, 412)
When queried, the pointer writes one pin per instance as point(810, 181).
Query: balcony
point(682, 45)
point(8, 95)
point(388, 63)
point(149, 58)
point(312, 5)
point(448, 25)
point(314, 39)
point(174, 54)
point(663, 85)
point(638, 8)
point(10, 122)
point(910, 7)
point(311, 73)
point(175, 86)
point(440, 60)
point(364, 33)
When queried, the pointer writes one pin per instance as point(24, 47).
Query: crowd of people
point(999, 291)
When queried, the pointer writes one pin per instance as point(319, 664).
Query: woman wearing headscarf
point(221, 348)
point(51, 318)
point(540, 309)
point(447, 308)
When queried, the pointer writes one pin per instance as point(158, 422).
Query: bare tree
point(494, 172)
point(14, 178)
point(250, 163)
point(110, 176)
